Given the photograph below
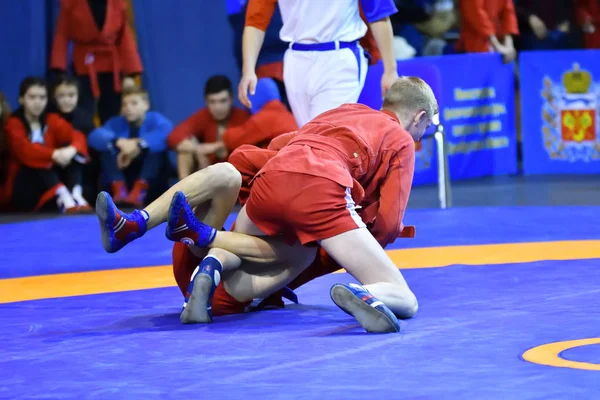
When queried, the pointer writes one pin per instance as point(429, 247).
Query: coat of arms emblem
point(570, 117)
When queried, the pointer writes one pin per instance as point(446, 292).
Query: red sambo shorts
point(184, 264)
point(302, 206)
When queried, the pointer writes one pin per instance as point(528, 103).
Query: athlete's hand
point(387, 80)
point(247, 84)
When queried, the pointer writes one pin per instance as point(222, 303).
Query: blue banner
point(560, 92)
point(476, 96)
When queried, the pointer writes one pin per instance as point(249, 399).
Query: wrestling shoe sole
point(103, 213)
point(371, 319)
point(196, 310)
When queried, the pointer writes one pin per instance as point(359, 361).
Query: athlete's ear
point(419, 117)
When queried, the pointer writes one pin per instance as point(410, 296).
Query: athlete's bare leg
point(218, 183)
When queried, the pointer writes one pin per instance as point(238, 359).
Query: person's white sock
point(64, 198)
point(77, 194)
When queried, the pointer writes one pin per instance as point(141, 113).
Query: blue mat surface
point(73, 243)
point(466, 342)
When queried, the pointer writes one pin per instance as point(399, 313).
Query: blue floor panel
point(473, 326)
point(73, 243)
point(467, 340)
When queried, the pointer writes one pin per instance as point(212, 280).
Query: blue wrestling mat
point(519, 324)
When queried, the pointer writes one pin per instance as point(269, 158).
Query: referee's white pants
point(318, 81)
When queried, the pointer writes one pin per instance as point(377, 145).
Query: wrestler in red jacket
point(104, 50)
point(307, 193)
point(45, 154)
point(248, 160)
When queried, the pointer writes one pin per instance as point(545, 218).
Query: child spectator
point(65, 95)
point(133, 148)
point(199, 139)
point(46, 155)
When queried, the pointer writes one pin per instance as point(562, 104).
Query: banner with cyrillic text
point(476, 95)
point(560, 101)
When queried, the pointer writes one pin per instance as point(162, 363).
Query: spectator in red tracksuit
point(45, 154)
point(198, 140)
point(105, 55)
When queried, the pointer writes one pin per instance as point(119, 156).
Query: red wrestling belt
point(92, 73)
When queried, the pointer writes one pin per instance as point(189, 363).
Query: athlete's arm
point(377, 13)
point(394, 193)
point(258, 17)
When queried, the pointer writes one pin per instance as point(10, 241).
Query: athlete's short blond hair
point(410, 94)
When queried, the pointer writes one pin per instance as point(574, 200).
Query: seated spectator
point(199, 139)
point(488, 26)
point(46, 155)
point(4, 114)
point(547, 25)
point(133, 148)
point(588, 17)
point(65, 95)
point(65, 101)
point(270, 118)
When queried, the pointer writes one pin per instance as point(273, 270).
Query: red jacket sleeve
point(60, 43)
point(261, 128)
point(128, 51)
point(259, 13)
point(281, 141)
point(240, 135)
point(195, 126)
point(509, 19)
point(33, 155)
point(475, 16)
point(394, 193)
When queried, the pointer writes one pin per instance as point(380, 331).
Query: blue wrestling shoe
point(197, 308)
point(184, 227)
point(370, 312)
point(117, 227)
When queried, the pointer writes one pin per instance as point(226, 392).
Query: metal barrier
point(444, 189)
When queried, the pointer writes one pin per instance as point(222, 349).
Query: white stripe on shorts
point(351, 207)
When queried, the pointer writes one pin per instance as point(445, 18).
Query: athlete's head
point(135, 104)
point(33, 96)
point(218, 95)
point(413, 101)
